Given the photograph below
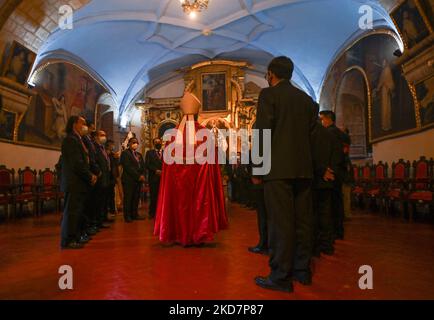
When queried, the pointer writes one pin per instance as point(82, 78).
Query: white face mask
point(84, 130)
point(103, 140)
point(134, 146)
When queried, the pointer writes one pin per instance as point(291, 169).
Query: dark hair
point(282, 67)
point(89, 122)
point(94, 134)
point(70, 125)
point(108, 143)
point(328, 114)
point(131, 139)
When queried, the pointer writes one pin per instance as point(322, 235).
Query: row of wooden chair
point(29, 187)
point(409, 186)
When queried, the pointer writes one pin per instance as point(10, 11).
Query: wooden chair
point(7, 186)
point(365, 183)
point(421, 186)
point(397, 190)
point(357, 190)
point(48, 189)
point(60, 194)
point(27, 189)
point(378, 187)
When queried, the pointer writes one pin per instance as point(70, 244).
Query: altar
point(228, 102)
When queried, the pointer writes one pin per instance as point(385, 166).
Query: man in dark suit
point(114, 162)
point(89, 224)
point(103, 184)
point(133, 177)
point(328, 119)
point(154, 164)
point(76, 181)
point(257, 192)
point(326, 153)
point(290, 115)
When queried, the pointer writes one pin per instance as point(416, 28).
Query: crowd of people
point(90, 170)
point(299, 203)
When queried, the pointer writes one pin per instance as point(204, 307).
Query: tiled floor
point(127, 262)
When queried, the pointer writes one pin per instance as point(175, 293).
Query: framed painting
point(427, 7)
point(19, 63)
point(410, 23)
point(214, 95)
point(425, 97)
point(7, 124)
point(62, 90)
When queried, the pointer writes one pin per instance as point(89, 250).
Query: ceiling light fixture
point(192, 7)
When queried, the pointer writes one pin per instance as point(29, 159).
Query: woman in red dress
point(191, 206)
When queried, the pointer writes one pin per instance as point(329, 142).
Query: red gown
point(191, 206)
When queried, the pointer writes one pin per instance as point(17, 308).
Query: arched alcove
point(164, 126)
point(352, 105)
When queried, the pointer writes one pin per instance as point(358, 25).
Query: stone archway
point(164, 126)
point(351, 108)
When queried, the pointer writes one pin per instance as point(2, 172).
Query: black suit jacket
point(153, 163)
point(291, 115)
point(104, 179)
point(75, 168)
point(339, 139)
point(94, 167)
point(132, 169)
point(326, 154)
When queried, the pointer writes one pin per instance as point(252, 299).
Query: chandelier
point(192, 7)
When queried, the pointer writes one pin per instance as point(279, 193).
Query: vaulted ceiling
point(128, 44)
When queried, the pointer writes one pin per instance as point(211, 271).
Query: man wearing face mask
point(77, 179)
point(103, 184)
point(89, 225)
point(291, 116)
point(154, 164)
point(133, 177)
point(114, 162)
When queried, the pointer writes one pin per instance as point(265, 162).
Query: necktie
point(105, 155)
point(86, 151)
point(136, 156)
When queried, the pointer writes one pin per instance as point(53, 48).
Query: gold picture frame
point(19, 63)
point(421, 117)
point(397, 16)
point(214, 91)
point(427, 17)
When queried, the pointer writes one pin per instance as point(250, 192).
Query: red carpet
point(127, 262)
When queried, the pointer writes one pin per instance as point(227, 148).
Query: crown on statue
point(190, 104)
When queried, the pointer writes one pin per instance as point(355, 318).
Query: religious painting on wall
point(425, 96)
point(62, 90)
point(19, 63)
point(214, 92)
point(410, 23)
point(428, 9)
point(7, 124)
point(392, 104)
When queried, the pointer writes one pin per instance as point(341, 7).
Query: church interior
point(124, 67)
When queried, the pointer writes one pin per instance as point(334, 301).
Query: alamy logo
point(366, 281)
point(66, 281)
point(217, 149)
point(66, 17)
point(366, 21)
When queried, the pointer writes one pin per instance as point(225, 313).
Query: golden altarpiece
point(227, 101)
